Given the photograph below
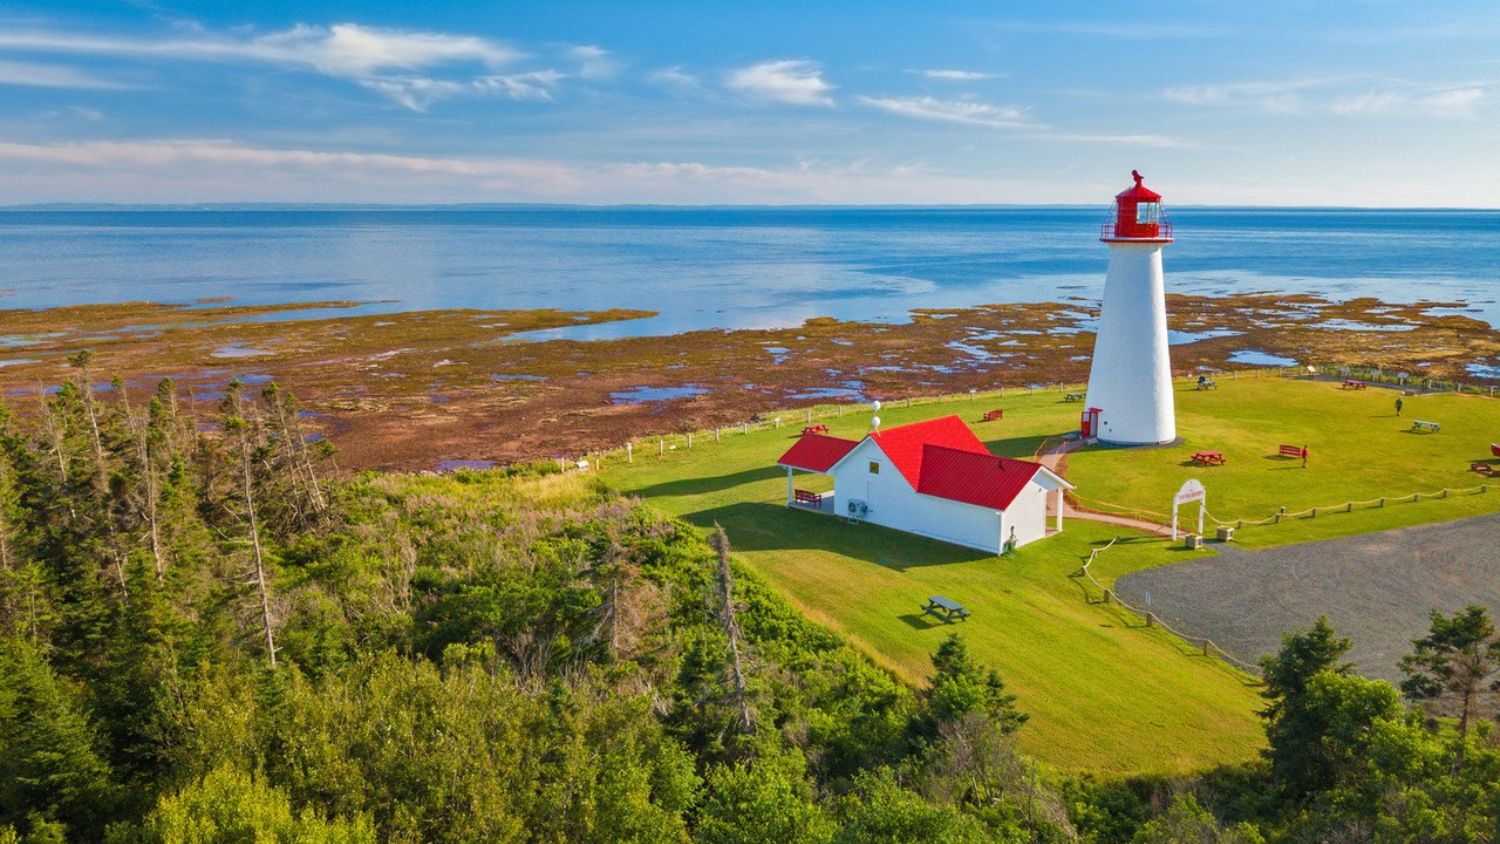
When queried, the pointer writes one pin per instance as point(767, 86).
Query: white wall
point(1130, 379)
point(894, 504)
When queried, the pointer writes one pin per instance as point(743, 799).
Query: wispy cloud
point(675, 77)
point(1454, 103)
point(594, 62)
point(396, 63)
point(793, 81)
point(952, 111)
point(1345, 97)
point(949, 75)
point(33, 75)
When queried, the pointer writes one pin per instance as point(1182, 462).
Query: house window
point(874, 467)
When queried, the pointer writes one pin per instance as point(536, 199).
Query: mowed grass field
point(1359, 450)
point(1105, 694)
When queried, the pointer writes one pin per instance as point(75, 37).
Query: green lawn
point(1105, 695)
point(1359, 450)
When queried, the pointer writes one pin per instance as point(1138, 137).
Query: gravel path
point(1377, 589)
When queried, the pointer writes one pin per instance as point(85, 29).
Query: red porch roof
point(816, 452)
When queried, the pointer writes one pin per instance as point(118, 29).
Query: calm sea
point(722, 267)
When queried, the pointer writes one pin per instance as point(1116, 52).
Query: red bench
point(815, 429)
point(802, 496)
point(1289, 450)
point(992, 415)
point(1211, 458)
point(1353, 384)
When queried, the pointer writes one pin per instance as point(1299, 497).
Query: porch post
point(1058, 516)
point(788, 486)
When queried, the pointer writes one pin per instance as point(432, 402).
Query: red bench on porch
point(991, 416)
point(815, 429)
point(812, 499)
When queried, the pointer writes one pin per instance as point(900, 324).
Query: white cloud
point(946, 75)
point(675, 77)
point(383, 60)
point(788, 81)
point(1457, 102)
point(593, 62)
point(33, 75)
point(952, 111)
point(1336, 96)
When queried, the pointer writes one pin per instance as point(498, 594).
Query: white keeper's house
point(932, 478)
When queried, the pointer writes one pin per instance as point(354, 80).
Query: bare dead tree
point(731, 626)
point(237, 426)
point(81, 362)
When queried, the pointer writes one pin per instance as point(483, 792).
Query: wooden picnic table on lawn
point(1354, 384)
point(945, 609)
point(1209, 458)
point(815, 429)
point(1424, 425)
point(1073, 397)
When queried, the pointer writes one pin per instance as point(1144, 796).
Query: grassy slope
point(1359, 450)
point(1104, 695)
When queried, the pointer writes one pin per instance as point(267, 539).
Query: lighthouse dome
point(1138, 215)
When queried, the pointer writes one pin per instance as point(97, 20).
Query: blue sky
point(1272, 103)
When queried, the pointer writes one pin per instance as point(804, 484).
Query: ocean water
point(722, 267)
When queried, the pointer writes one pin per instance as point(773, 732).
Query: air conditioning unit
point(858, 509)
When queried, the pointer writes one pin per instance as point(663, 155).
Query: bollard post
point(1150, 619)
point(1351, 508)
point(747, 427)
point(690, 439)
point(1445, 492)
point(629, 453)
point(1207, 647)
point(1382, 500)
point(661, 447)
point(1107, 595)
point(778, 422)
point(716, 434)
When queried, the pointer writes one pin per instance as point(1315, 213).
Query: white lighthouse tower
point(1130, 382)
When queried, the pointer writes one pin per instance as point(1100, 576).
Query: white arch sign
point(1192, 490)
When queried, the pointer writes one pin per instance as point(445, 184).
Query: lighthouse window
point(874, 468)
point(1146, 212)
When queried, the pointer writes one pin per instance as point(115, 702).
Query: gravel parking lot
point(1376, 589)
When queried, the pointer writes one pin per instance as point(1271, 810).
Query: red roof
point(940, 457)
point(904, 445)
point(817, 452)
point(1138, 192)
point(981, 479)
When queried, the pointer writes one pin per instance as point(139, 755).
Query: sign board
point(1192, 490)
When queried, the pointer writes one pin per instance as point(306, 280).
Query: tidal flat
point(411, 389)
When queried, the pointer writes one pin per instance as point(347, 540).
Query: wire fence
point(1109, 596)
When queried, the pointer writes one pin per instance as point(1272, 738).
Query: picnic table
point(992, 415)
point(945, 609)
point(1207, 384)
point(1210, 458)
point(1353, 384)
point(1481, 468)
point(815, 429)
point(1073, 397)
point(1424, 425)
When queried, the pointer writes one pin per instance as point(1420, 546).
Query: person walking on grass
point(1399, 405)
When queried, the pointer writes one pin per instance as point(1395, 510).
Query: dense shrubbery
point(202, 639)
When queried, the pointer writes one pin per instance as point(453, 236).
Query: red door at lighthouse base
point(1089, 425)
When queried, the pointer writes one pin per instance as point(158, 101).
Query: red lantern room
point(1138, 215)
